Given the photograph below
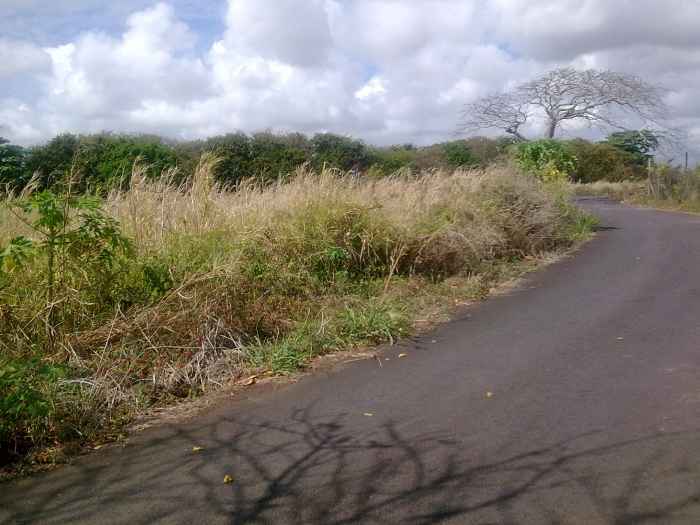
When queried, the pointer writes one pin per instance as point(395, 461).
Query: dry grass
point(223, 284)
point(622, 191)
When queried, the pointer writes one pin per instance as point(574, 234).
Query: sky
point(386, 71)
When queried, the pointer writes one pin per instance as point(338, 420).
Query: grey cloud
point(287, 30)
point(561, 30)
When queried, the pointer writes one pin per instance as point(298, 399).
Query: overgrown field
point(109, 307)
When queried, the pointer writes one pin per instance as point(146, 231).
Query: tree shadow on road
point(312, 468)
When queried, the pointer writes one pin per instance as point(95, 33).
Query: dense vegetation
point(161, 287)
point(104, 161)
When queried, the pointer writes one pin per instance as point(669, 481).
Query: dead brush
point(530, 219)
point(221, 357)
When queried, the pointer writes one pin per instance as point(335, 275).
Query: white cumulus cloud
point(384, 70)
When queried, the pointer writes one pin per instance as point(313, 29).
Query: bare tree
point(502, 110)
point(603, 98)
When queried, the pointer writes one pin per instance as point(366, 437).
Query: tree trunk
point(516, 134)
point(551, 129)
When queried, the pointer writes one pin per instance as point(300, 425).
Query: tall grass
point(226, 282)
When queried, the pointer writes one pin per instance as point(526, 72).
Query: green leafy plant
point(75, 239)
point(458, 155)
point(549, 160)
point(24, 406)
point(15, 254)
point(12, 159)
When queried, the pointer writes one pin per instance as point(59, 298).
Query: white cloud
point(18, 57)
point(288, 31)
point(18, 122)
point(384, 70)
point(373, 88)
point(156, 30)
point(97, 81)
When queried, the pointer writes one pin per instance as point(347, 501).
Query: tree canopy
point(598, 97)
point(638, 143)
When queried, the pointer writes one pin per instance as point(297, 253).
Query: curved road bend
point(594, 418)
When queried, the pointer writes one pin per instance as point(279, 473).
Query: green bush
point(233, 152)
point(392, 159)
point(274, 157)
point(473, 152)
point(602, 161)
point(24, 404)
point(638, 144)
point(76, 246)
point(96, 161)
point(12, 161)
point(336, 151)
point(458, 155)
point(105, 160)
point(265, 156)
point(53, 160)
point(547, 159)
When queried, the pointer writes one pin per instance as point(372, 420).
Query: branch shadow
point(338, 469)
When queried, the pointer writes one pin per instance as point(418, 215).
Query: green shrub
point(273, 157)
point(638, 144)
point(547, 159)
point(374, 322)
point(390, 160)
point(233, 152)
point(96, 161)
point(156, 279)
point(458, 155)
point(336, 151)
point(473, 152)
point(602, 161)
point(76, 246)
point(53, 160)
point(24, 404)
point(265, 156)
point(468, 153)
point(106, 160)
point(12, 165)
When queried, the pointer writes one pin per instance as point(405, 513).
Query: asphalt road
point(594, 369)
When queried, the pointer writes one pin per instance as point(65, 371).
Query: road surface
point(572, 399)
